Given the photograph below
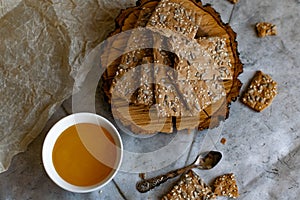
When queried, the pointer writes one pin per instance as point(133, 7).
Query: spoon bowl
point(207, 160)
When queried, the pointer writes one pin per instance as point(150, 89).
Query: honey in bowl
point(84, 154)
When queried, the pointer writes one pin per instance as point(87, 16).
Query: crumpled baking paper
point(42, 46)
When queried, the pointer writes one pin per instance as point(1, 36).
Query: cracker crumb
point(261, 92)
point(233, 1)
point(142, 175)
point(223, 141)
point(265, 29)
point(225, 185)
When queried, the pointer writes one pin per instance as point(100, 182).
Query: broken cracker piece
point(225, 185)
point(260, 92)
point(233, 1)
point(190, 186)
point(265, 29)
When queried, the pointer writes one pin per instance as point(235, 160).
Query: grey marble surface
point(262, 149)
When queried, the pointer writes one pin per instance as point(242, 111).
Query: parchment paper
point(42, 45)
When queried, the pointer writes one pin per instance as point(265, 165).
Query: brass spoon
point(206, 160)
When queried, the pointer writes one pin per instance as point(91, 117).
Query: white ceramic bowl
point(55, 132)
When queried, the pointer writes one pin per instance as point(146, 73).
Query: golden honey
point(84, 154)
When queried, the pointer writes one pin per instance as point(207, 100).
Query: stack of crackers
point(175, 66)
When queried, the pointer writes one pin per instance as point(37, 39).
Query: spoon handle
point(148, 184)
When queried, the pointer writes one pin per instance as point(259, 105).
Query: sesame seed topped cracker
point(190, 186)
point(225, 185)
point(176, 16)
point(261, 92)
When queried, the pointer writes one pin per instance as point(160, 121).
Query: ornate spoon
point(206, 160)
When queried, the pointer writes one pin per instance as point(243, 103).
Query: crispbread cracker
point(260, 92)
point(225, 185)
point(190, 186)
